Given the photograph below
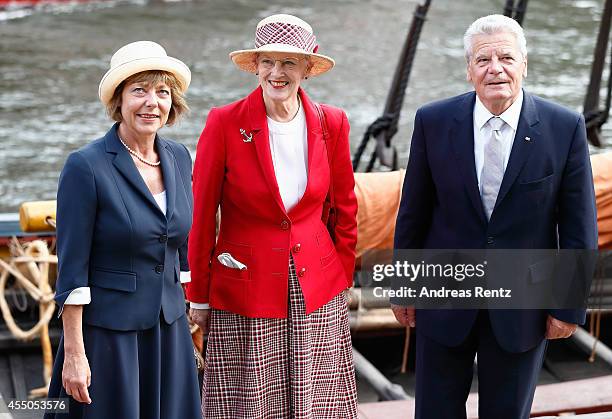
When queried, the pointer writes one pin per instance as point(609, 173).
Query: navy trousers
point(147, 374)
point(506, 381)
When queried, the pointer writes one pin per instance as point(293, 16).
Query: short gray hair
point(492, 24)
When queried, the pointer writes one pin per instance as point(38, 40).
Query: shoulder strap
point(323, 121)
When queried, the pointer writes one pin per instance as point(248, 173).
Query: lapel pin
point(528, 139)
point(247, 138)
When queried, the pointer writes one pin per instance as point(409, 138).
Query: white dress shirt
point(482, 131)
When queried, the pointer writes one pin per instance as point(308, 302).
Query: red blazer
point(255, 228)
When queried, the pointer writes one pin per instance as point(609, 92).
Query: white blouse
point(289, 149)
point(160, 198)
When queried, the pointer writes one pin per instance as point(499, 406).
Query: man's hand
point(76, 376)
point(557, 329)
point(200, 317)
point(405, 315)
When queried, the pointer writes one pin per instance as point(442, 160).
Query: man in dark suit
point(497, 168)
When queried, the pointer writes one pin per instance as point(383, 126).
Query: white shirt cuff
point(199, 306)
point(79, 296)
point(185, 276)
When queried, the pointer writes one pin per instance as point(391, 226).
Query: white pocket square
point(228, 260)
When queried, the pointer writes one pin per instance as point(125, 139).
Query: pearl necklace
point(137, 155)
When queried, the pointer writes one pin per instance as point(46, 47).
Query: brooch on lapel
point(528, 139)
point(247, 138)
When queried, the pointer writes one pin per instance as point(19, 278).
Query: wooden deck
point(579, 397)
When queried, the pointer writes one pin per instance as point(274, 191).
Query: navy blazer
point(113, 238)
point(546, 201)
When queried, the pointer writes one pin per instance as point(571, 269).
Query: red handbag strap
point(325, 131)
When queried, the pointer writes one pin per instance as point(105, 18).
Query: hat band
point(285, 33)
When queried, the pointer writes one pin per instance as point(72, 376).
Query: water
point(52, 59)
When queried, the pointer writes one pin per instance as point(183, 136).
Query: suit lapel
point(521, 147)
point(259, 129)
point(124, 165)
point(462, 142)
point(168, 165)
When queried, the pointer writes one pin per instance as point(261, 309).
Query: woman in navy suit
point(124, 209)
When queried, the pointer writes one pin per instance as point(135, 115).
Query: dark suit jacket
point(546, 201)
point(113, 238)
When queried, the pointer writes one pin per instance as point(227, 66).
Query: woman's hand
point(201, 318)
point(76, 376)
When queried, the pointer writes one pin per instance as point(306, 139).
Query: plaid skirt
point(298, 367)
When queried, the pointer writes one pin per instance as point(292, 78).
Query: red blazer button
point(284, 225)
point(302, 272)
point(296, 248)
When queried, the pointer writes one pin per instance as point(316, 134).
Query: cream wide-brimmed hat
point(137, 57)
point(283, 33)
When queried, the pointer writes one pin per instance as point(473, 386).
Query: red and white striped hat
point(283, 33)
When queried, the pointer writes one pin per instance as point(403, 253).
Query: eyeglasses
point(287, 63)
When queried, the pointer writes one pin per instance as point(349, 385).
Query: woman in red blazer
point(279, 341)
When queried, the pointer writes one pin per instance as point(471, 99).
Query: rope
point(20, 302)
point(51, 221)
point(406, 350)
point(596, 313)
point(520, 11)
point(516, 12)
point(36, 257)
point(597, 118)
point(385, 127)
point(381, 124)
point(595, 330)
point(508, 8)
point(398, 100)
